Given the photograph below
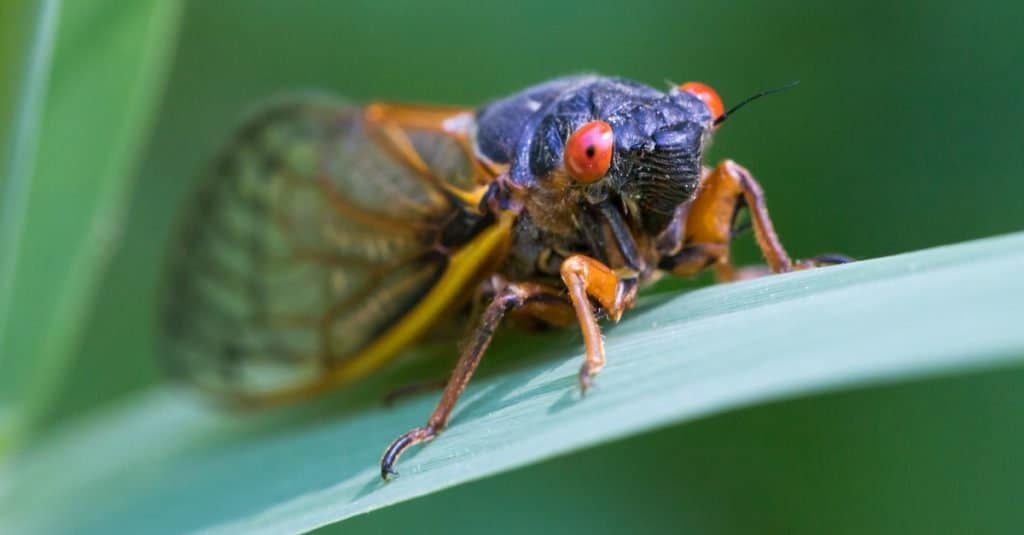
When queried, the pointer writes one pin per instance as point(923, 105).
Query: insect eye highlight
point(709, 96)
point(588, 152)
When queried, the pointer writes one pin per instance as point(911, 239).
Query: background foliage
point(903, 134)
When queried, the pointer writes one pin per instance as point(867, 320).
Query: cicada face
point(654, 146)
point(658, 156)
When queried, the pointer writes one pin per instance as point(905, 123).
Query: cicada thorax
point(310, 236)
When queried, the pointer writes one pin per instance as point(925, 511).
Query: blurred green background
point(904, 133)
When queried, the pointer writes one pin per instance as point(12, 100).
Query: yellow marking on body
point(468, 198)
point(464, 267)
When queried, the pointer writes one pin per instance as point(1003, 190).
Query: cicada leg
point(512, 296)
point(552, 310)
point(709, 229)
point(588, 278)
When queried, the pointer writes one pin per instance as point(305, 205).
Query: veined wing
point(311, 251)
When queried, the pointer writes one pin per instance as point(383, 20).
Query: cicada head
point(610, 139)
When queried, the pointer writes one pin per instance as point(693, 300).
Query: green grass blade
point(165, 461)
point(86, 114)
point(30, 32)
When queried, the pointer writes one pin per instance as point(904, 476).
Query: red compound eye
point(709, 96)
point(588, 153)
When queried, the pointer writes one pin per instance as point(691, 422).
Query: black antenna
point(721, 118)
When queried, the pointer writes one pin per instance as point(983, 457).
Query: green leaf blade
point(166, 461)
point(29, 34)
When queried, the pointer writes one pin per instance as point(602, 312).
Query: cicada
point(326, 237)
